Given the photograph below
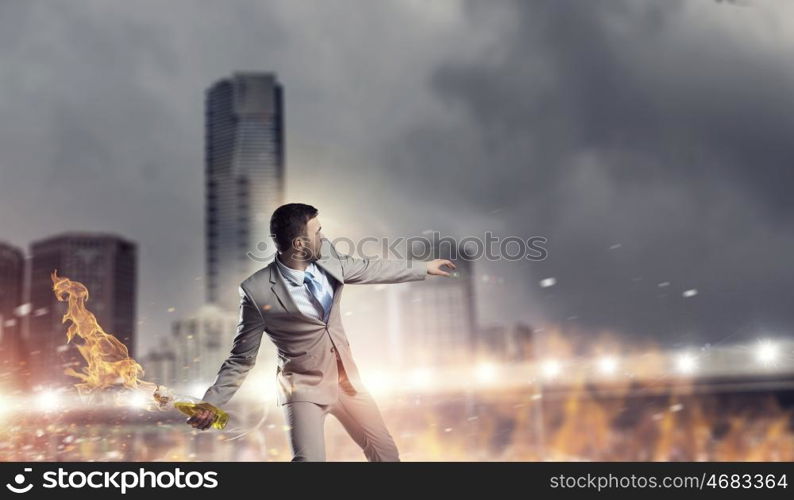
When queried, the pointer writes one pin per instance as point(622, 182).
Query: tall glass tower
point(245, 179)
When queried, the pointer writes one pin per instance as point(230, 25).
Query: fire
point(641, 409)
point(109, 364)
point(108, 360)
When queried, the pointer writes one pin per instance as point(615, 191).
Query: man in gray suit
point(295, 299)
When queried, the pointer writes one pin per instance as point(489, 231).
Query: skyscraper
point(201, 343)
point(438, 319)
point(244, 158)
point(13, 355)
point(106, 265)
point(511, 342)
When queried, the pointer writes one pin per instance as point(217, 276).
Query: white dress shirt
point(300, 292)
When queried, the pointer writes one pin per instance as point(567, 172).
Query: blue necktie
point(323, 298)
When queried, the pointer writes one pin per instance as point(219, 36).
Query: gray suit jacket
point(307, 368)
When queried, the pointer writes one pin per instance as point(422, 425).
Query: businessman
point(295, 299)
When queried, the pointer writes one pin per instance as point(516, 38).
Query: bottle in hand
point(190, 408)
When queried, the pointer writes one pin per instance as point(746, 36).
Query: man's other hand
point(434, 267)
point(202, 419)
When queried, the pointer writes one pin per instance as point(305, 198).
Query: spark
point(24, 309)
point(686, 363)
point(551, 368)
point(486, 372)
point(138, 400)
point(47, 400)
point(421, 377)
point(608, 365)
point(766, 352)
point(379, 382)
point(197, 389)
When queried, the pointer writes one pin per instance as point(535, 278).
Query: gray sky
point(649, 141)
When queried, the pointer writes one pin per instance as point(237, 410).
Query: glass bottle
point(190, 406)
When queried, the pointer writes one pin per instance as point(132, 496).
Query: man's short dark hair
point(289, 222)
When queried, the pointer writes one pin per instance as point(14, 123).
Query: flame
point(108, 360)
point(637, 418)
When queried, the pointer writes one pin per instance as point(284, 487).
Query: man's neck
point(289, 260)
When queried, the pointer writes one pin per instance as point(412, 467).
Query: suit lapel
point(280, 290)
point(282, 294)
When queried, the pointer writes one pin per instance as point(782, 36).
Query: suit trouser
point(357, 412)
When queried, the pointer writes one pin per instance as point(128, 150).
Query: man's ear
point(300, 247)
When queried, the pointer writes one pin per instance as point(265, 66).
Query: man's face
point(312, 242)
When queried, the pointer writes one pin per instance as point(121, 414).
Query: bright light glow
point(197, 390)
point(486, 372)
point(47, 400)
point(547, 282)
point(608, 365)
point(551, 368)
point(378, 382)
point(421, 377)
point(766, 352)
point(261, 387)
point(686, 363)
point(137, 399)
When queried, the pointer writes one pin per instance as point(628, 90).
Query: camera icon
point(20, 479)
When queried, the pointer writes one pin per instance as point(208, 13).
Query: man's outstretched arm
point(365, 270)
point(242, 358)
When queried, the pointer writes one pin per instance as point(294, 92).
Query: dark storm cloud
point(650, 145)
point(660, 126)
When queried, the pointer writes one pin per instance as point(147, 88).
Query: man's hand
point(434, 267)
point(202, 419)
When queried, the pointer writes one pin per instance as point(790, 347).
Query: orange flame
point(109, 363)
